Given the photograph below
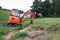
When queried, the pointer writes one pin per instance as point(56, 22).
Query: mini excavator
point(15, 17)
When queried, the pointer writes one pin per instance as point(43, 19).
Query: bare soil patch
point(35, 32)
point(8, 35)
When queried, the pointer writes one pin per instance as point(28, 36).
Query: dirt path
point(34, 33)
point(37, 35)
point(8, 35)
point(11, 33)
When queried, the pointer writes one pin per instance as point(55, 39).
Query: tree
point(0, 7)
point(58, 7)
point(36, 6)
point(46, 8)
point(56, 4)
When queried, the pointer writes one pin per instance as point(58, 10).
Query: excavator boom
point(32, 16)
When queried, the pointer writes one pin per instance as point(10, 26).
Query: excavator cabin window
point(15, 13)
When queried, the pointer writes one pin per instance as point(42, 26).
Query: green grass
point(3, 19)
point(25, 24)
point(19, 35)
point(54, 36)
point(3, 16)
point(44, 22)
point(47, 22)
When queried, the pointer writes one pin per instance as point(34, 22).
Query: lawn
point(44, 22)
point(47, 22)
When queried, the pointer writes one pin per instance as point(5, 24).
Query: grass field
point(47, 22)
point(44, 22)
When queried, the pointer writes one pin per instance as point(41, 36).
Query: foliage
point(57, 7)
point(46, 8)
point(36, 7)
point(0, 7)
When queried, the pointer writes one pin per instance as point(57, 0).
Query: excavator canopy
point(17, 13)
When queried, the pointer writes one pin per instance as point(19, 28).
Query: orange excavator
point(17, 17)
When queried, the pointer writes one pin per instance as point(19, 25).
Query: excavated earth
point(38, 33)
point(35, 32)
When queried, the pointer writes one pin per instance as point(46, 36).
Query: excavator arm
point(32, 16)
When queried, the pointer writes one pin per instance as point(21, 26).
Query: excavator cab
point(15, 16)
